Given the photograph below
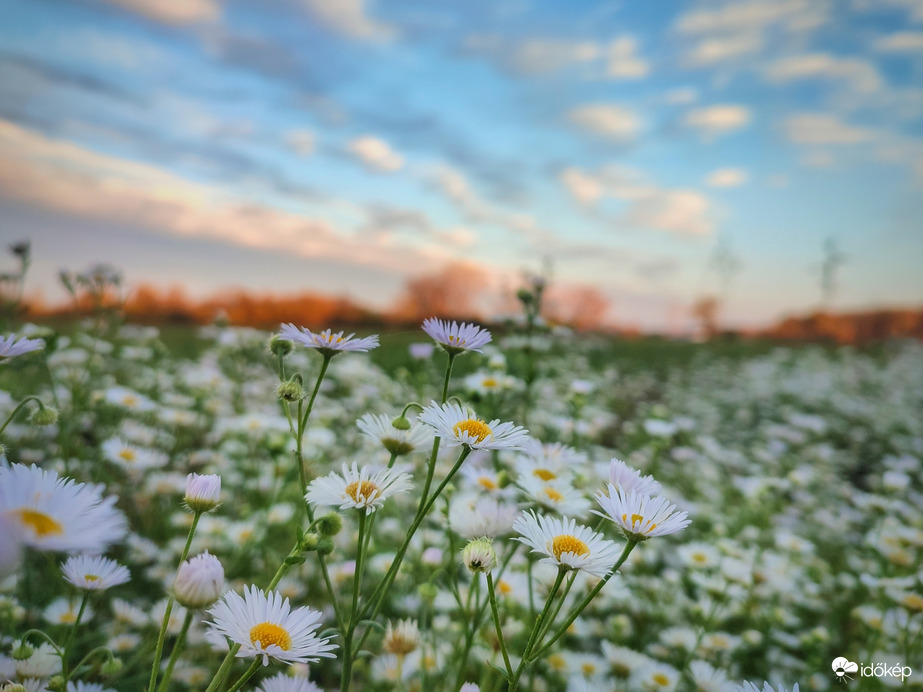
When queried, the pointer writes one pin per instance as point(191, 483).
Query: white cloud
point(858, 74)
point(823, 129)
point(585, 188)
point(606, 120)
point(674, 210)
point(682, 96)
point(175, 12)
point(542, 56)
point(719, 119)
point(623, 61)
point(720, 49)
point(683, 212)
point(753, 15)
point(301, 142)
point(70, 179)
point(901, 42)
point(725, 32)
point(727, 177)
point(376, 154)
point(350, 18)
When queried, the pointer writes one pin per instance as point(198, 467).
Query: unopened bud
point(12, 687)
point(428, 592)
point(22, 652)
point(199, 581)
point(309, 541)
point(324, 546)
point(503, 479)
point(280, 346)
point(290, 390)
point(56, 684)
point(400, 423)
point(202, 492)
point(112, 667)
point(330, 524)
point(479, 555)
point(45, 415)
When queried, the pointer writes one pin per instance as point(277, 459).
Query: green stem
point(377, 599)
point(533, 637)
point(162, 636)
point(19, 408)
point(72, 633)
point(557, 608)
point(177, 648)
point(496, 613)
point(255, 666)
point(632, 542)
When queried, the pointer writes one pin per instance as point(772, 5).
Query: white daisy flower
point(640, 516)
point(366, 488)
point(10, 347)
point(327, 342)
point(658, 677)
point(128, 399)
point(623, 476)
point(132, 457)
point(754, 687)
point(57, 513)
point(43, 663)
point(94, 573)
point(81, 686)
point(63, 611)
point(265, 625)
point(548, 462)
point(566, 543)
point(456, 427)
point(287, 683)
point(398, 442)
point(559, 496)
point(456, 338)
point(474, 516)
point(708, 678)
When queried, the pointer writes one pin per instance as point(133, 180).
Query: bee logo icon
point(842, 667)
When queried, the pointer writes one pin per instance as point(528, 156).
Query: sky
point(346, 145)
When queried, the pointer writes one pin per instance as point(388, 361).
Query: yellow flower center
point(489, 382)
point(90, 577)
point(40, 523)
point(566, 543)
point(268, 634)
point(487, 483)
point(127, 455)
point(701, 558)
point(455, 341)
point(129, 401)
point(545, 474)
point(475, 428)
point(661, 679)
point(67, 618)
point(557, 662)
point(588, 668)
point(638, 519)
point(504, 587)
point(913, 602)
point(553, 495)
point(362, 491)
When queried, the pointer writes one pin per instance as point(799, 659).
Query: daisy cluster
point(730, 523)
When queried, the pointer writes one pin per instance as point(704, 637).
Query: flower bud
point(22, 652)
point(309, 541)
point(400, 423)
point(330, 524)
point(45, 415)
point(324, 546)
point(290, 390)
point(428, 592)
point(112, 667)
point(199, 581)
point(280, 346)
point(479, 555)
point(202, 492)
point(56, 684)
point(12, 687)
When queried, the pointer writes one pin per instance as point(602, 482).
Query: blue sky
point(345, 145)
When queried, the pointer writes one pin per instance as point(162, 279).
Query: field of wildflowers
point(497, 512)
